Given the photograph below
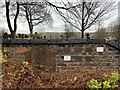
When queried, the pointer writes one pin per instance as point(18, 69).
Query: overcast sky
point(58, 24)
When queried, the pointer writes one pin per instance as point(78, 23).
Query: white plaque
point(67, 58)
point(100, 49)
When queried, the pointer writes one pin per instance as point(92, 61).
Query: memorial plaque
point(43, 55)
point(100, 49)
point(67, 58)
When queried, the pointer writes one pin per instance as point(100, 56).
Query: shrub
point(94, 84)
point(110, 82)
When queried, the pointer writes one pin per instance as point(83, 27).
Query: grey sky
point(58, 24)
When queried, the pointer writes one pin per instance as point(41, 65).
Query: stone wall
point(83, 55)
point(87, 56)
point(16, 52)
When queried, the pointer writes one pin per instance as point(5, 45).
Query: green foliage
point(94, 84)
point(25, 63)
point(5, 51)
point(108, 83)
point(114, 77)
point(3, 57)
point(74, 79)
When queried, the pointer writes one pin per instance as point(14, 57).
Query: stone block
point(42, 55)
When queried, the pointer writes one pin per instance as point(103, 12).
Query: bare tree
point(14, 28)
point(83, 15)
point(69, 32)
point(114, 30)
point(35, 13)
point(101, 33)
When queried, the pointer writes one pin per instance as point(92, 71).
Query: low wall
point(65, 56)
point(86, 55)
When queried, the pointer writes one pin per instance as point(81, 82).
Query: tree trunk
point(30, 28)
point(29, 20)
point(82, 35)
point(82, 31)
point(8, 17)
point(31, 31)
point(15, 19)
point(13, 34)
